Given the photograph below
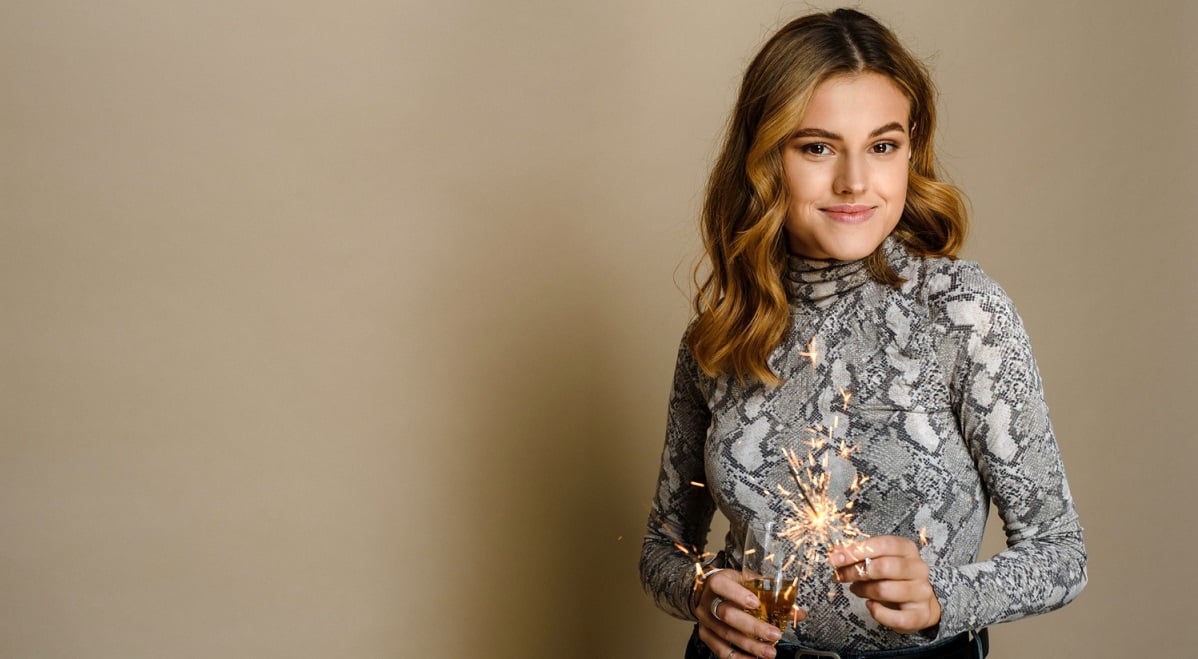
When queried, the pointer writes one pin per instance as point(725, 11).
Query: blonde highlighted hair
point(741, 305)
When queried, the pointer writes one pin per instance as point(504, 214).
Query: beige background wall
point(345, 329)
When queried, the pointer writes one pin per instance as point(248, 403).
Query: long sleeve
point(945, 413)
point(681, 512)
point(1004, 419)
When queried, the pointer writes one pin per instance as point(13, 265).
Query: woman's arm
point(681, 511)
point(1004, 419)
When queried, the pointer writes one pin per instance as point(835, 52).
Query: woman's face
point(846, 168)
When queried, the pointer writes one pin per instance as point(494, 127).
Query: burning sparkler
point(817, 521)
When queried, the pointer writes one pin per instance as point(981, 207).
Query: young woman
point(834, 302)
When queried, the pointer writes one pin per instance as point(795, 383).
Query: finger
point(727, 585)
point(720, 593)
point(727, 641)
point(873, 548)
point(881, 557)
point(905, 619)
point(911, 568)
point(741, 628)
point(718, 646)
point(728, 621)
point(866, 569)
point(891, 591)
point(757, 633)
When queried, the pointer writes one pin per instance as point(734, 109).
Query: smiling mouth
point(849, 213)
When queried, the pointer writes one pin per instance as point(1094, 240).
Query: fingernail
point(771, 653)
point(752, 602)
point(837, 559)
point(774, 635)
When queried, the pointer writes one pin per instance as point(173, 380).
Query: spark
point(845, 450)
point(816, 522)
point(822, 436)
point(696, 557)
point(698, 484)
point(923, 537)
point(817, 440)
point(692, 553)
point(846, 395)
point(812, 353)
point(858, 481)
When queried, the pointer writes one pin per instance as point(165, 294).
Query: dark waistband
point(966, 645)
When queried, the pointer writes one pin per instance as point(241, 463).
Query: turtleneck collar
point(821, 282)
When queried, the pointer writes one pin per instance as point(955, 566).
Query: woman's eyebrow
point(817, 132)
point(829, 135)
point(894, 125)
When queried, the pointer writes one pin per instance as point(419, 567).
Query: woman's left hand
point(892, 577)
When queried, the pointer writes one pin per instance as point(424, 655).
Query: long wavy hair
point(741, 306)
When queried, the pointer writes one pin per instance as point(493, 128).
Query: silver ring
point(715, 607)
point(731, 651)
point(866, 570)
point(860, 570)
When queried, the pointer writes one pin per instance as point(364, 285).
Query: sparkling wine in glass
point(770, 570)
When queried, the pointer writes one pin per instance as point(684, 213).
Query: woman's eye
point(885, 147)
point(816, 149)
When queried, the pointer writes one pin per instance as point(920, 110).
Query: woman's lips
point(849, 213)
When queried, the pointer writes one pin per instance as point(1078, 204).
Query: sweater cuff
point(952, 622)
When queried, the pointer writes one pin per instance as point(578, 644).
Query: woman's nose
point(851, 176)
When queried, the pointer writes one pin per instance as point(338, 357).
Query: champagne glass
point(770, 568)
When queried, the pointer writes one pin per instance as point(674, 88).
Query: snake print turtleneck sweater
point(946, 415)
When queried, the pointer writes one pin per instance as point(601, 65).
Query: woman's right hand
point(735, 632)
